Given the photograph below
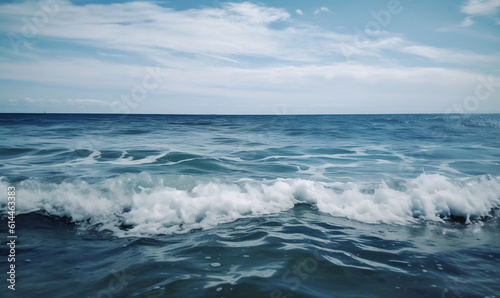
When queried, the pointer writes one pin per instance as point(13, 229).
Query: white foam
point(153, 208)
point(91, 159)
point(131, 161)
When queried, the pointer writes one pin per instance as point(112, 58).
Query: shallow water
point(253, 206)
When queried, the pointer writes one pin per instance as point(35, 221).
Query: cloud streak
point(481, 7)
point(322, 9)
point(452, 56)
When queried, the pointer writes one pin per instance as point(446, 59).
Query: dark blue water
point(253, 206)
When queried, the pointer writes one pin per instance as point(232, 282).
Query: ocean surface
point(252, 206)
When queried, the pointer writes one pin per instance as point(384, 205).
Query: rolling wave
point(142, 204)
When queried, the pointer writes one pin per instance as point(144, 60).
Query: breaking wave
point(142, 204)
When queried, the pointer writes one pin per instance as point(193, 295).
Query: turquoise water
point(253, 206)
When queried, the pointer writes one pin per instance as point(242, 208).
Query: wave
point(141, 204)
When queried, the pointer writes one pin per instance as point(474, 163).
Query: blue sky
point(246, 57)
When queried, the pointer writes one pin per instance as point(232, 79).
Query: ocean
point(252, 206)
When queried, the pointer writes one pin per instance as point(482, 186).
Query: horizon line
point(211, 114)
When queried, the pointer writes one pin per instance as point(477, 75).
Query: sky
point(250, 57)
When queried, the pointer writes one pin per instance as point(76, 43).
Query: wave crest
point(146, 205)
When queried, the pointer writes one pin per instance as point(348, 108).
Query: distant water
point(253, 206)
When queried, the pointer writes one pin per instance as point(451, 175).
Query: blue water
point(253, 206)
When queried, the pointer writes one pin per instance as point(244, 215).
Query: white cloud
point(322, 9)
point(239, 29)
point(110, 54)
point(74, 72)
point(467, 22)
point(231, 33)
point(466, 32)
point(474, 8)
point(198, 79)
point(228, 33)
point(298, 11)
point(449, 55)
point(481, 7)
point(88, 101)
point(68, 101)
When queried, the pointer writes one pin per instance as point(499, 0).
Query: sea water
point(252, 206)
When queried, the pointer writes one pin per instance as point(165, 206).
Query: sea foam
point(141, 204)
